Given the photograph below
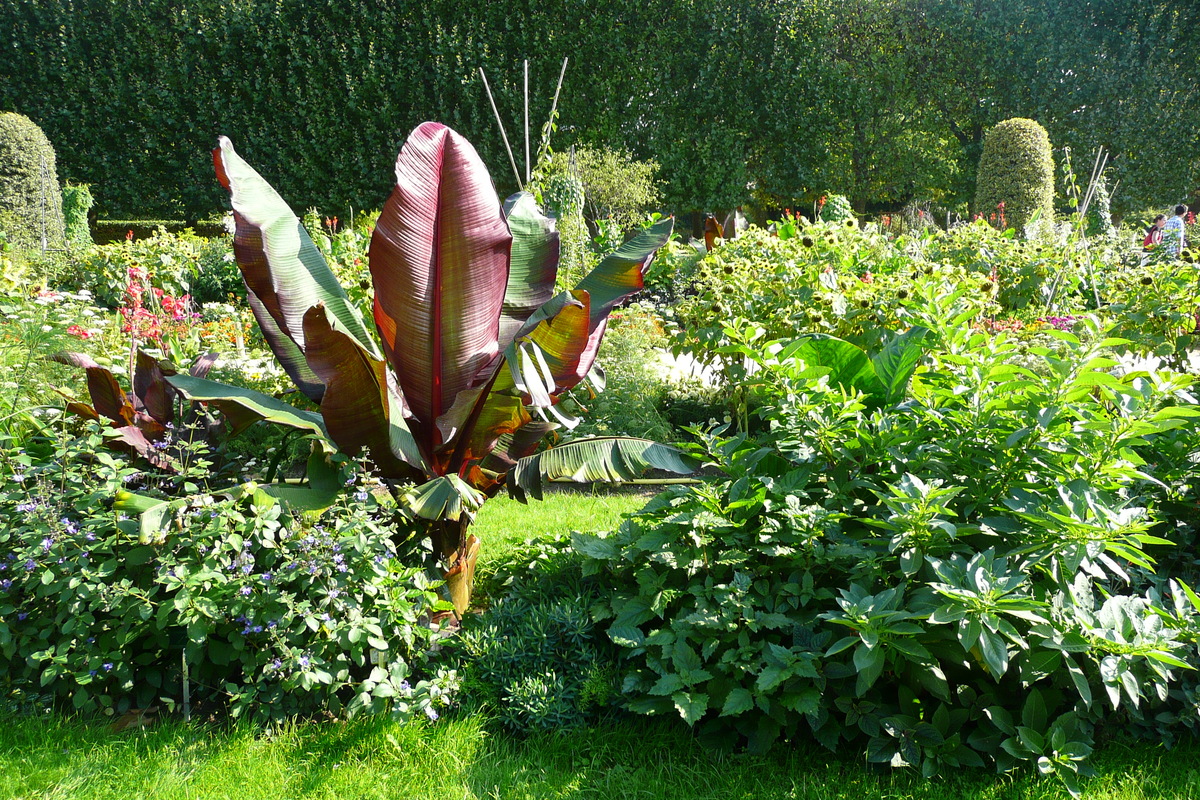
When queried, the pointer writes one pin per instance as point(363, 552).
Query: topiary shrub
point(1016, 169)
point(77, 201)
point(834, 208)
point(29, 183)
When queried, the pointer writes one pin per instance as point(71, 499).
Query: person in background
point(1172, 234)
point(1154, 233)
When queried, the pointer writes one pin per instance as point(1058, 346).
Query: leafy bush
point(171, 262)
point(271, 613)
point(533, 653)
point(616, 185)
point(76, 203)
point(1016, 173)
point(834, 208)
point(965, 577)
point(631, 402)
point(29, 184)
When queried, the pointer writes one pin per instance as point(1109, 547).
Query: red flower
point(75, 330)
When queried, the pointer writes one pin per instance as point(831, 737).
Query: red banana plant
point(474, 348)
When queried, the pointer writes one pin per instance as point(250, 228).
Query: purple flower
point(30, 565)
point(267, 577)
point(404, 687)
point(25, 508)
point(431, 713)
point(21, 615)
point(257, 629)
point(47, 543)
point(246, 591)
point(91, 537)
point(361, 495)
point(276, 664)
point(5, 584)
point(247, 569)
point(108, 665)
point(304, 661)
point(69, 526)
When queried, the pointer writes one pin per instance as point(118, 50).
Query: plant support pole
point(187, 689)
point(500, 124)
point(527, 174)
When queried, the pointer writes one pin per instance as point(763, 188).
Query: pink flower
point(75, 330)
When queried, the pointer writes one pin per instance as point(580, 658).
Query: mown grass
point(462, 757)
point(505, 527)
point(465, 756)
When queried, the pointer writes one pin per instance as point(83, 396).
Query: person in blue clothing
point(1172, 235)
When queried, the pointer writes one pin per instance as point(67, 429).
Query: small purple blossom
point(108, 665)
point(431, 712)
point(25, 508)
point(6, 584)
point(30, 565)
point(246, 591)
point(91, 537)
point(21, 615)
point(361, 495)
point(69, 526)
point(404, 687)
point(47, 544)
point(247, 569)
point(304, 661)
point(276, 664)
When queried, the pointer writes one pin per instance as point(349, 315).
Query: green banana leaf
point(243, 407)
point(607, 459)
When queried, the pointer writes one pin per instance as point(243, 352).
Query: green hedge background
point(880, 100)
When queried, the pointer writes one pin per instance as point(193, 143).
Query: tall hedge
point(30, 199)
point(731, 98)
point(1016, 169)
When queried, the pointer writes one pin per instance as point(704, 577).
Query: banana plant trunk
point(460, 551)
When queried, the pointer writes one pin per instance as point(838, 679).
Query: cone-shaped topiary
point(1016, 169)
point(30, 197)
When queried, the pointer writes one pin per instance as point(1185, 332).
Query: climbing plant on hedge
point(29, 191)
point(1016, 169)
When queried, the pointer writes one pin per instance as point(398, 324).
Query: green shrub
point(630, 404)
point(76, 203)
point(533, 654)
point(172, 262)
point(1016, 174)
point(274, 613)
point(29, 184)
point(964, 578)
point(834, 208)
point(1099, 213)
point(616, 185)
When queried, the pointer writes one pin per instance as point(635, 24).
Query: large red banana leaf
point(439, 260)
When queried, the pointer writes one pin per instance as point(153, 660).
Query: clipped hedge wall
point(1016, 169)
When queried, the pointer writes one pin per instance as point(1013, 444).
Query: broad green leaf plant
point(452, 390)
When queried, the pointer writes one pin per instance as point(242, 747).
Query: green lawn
point(504, 526)
point(461, 758)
